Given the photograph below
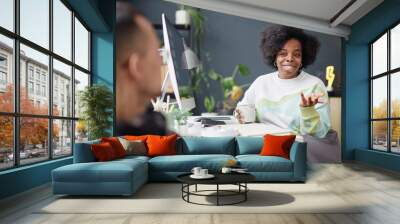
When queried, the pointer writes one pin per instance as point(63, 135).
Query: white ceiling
point(315, 15)
point(319, 9)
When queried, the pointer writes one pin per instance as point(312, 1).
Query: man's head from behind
point(138, 62)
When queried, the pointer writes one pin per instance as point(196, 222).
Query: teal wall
point(103, 58)
point(24, 178)
point(99, 15)
point(356, 100)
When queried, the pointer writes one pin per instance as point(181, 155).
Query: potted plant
point(231, 91)
point(182, 16)
point(197, 75)
point(96, 102)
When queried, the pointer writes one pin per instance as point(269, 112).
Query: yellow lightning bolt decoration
point(330, 76)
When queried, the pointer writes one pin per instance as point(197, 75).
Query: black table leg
point(217, 194)
point(245, 193)
point(188, 189)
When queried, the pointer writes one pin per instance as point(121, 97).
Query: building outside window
point(385, 93)
point(57, 133)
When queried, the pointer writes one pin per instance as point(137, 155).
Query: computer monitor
point(176, 70)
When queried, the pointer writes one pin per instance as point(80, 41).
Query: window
point(3, 78)
point(44, 91)
point(81, 45)
point(81, 81)
point(385, 94)
point(35, 22)
point(62, 29)
point(38, 89)
point(3, 61)
point(37, 74)
point(30, 72)
point(30, 87)
point(7, 14)
point(3, 72)
point(47, 74)
point(62, 75)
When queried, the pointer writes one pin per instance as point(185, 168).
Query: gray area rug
point(166, 198)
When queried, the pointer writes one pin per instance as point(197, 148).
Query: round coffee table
point(238, 179)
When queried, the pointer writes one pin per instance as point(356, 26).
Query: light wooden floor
point(380, 189)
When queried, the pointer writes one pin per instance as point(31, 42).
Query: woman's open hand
point(311, 100)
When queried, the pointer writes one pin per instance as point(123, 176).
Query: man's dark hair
point(128, 33)
point(274, 37)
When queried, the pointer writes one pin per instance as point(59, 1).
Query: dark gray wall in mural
point(231, 40)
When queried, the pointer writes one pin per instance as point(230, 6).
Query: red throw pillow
point(277, 145)
point(103, 152)
point(116, 145)
point(161, 145)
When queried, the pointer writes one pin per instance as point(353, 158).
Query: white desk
point(231, 128)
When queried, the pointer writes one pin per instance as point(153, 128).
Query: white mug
point(196, 170)
point(247, 112)
point(203, 172)
point(226, 170)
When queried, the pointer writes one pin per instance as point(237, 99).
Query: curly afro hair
point(274, 37)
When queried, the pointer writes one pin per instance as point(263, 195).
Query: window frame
point(388, 74)
point(16, 115)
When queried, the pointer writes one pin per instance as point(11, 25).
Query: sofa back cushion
point(277, 145)
point(249, 145)
point(206, 145)
point(104, 152)
point(83, 152)
point(161, 145)
point(116, 145)
point(133, 147)
point(136, 137)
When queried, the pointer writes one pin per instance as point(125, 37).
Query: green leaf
point(228, 83)
point(185, 91)
point(209, 103)
point(243, 70)
point(213, 75)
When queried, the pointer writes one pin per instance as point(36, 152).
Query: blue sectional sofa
point(125, 176)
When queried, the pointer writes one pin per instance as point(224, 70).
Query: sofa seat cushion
point(257, 163)
point(133, 157)
point(185, 163)
point(112, 171)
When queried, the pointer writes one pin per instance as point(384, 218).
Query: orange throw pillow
point(116, 145)
point(161, 145)
point(277, 145)
point(103, 152)
point(135, 138)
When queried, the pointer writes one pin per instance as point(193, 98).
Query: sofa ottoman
point(119, 177)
